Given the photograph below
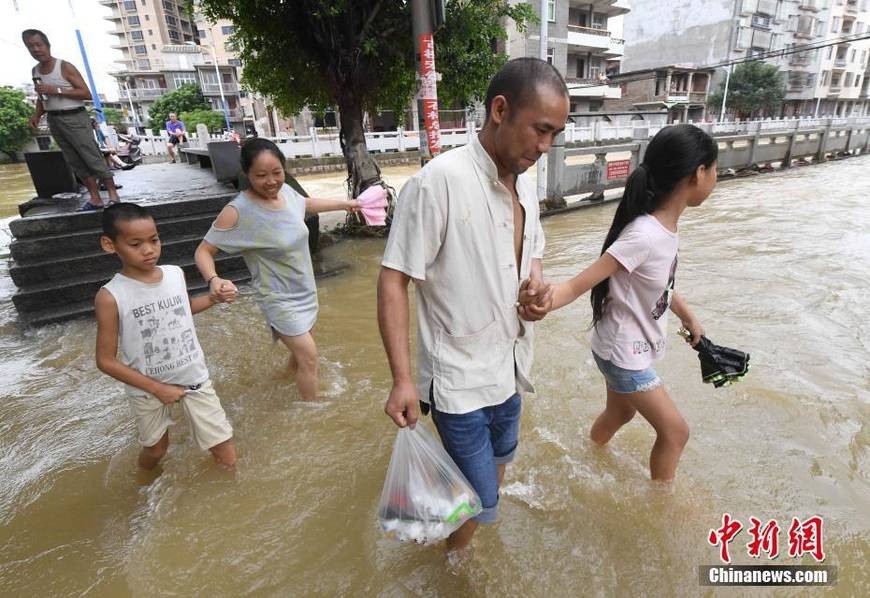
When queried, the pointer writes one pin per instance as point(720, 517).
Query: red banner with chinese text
point(429, 93)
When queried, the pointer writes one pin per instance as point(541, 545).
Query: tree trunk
point(362, 170)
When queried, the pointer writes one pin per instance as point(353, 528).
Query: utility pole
point(542, 161)
point(725, 93)
point(422, 13)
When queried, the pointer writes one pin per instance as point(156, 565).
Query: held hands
point(222, 291)
point(170, 393)
point(402, 404)
point(352, 206)
point(535, 299)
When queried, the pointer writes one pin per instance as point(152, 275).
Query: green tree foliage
point(756, 89)
point(213, 120)
point(187, 98)
point(358, 55)
point(15, 115)
point(465, 47)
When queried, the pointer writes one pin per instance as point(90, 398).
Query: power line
point(795, 49)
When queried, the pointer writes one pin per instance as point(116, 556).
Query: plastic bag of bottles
point(425, 497)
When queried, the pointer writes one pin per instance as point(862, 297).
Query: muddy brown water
point(776, 264)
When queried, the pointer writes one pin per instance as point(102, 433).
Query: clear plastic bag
point(425, 498)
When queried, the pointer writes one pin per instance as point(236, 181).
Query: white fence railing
point(318, 144)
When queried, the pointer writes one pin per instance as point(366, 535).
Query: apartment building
point(584, 44)
point(166, 44)
point(828, 81)
point(831, 80)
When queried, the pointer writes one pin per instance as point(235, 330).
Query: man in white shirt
point(467, 231)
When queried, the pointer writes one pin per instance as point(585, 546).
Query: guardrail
point(319, 144)
point(741, 145)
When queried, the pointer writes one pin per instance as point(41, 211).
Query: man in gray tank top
point(62, 94)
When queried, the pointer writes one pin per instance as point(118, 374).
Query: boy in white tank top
point(145, 312)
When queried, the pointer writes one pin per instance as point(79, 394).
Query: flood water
point(16, 188)
point(776, 265)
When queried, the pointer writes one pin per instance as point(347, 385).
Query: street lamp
point(220, 86)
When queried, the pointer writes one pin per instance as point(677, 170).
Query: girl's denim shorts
point(627, 381)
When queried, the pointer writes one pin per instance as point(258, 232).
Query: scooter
point(128, 149)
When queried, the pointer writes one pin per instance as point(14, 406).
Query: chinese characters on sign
point(429, 93)
point(618, 169)
point(803, 537)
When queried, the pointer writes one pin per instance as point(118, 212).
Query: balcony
point(617, 47)
point(851, 7)
point(688, 97)
point(135, 93)
point(588, 37)
point(835, 89)
point(215, 89)
point(799, 60)
point(810, 5)
point(114, 17)
point(840, 64)
point(592, 88)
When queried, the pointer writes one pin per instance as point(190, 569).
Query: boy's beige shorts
point(208, 422)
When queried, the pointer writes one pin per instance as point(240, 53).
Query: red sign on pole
point(429, 93)
point(618, 169)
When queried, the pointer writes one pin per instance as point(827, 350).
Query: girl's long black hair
point(673, 154)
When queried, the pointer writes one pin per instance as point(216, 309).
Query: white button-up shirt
point(453, 233)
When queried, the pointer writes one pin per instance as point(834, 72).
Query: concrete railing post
point(556, 173)
point(640, 134)
point(823, 141)
point(400, 139)
point(792, 138)
point(315, 151)
point(754, 143)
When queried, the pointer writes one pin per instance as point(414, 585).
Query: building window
point(761, 21)
point(133, 21)
point(183, 79)
point(130, 5)
point(551, 55)
point(144, 64)
point(858, 81)
point(136, 36)
point(824, 80)
point(835, 25)
point(227, 29)
point(848, 80)
point(551, 11)
point(140, 49)
point(147, 18)
point(200, 33)
point(830, 52)
point(174, 35)
point(852, 55)
point(171, 21)
point(168, 5)
point(599, 21)
point(234, 61)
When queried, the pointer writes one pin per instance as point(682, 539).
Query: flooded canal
point(776, 265)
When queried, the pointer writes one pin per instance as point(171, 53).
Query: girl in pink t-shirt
point(633, 287)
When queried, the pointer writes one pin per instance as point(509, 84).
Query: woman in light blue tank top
point(266, 224)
